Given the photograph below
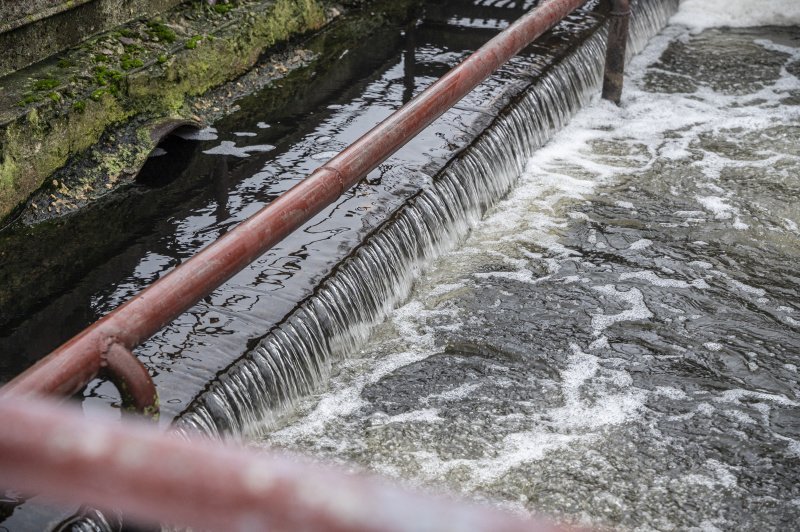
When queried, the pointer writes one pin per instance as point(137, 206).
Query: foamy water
point(703, 14)
point(616, 341)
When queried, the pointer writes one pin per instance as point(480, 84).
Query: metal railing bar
point(151, 475)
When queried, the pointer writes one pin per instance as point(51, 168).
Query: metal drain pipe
point(151, 475)
point(70, 367)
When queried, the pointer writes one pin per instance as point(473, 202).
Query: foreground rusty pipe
point(150, 475)
point(67, 369)
point(615, 50)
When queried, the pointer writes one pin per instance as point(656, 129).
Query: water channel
point(614, 343)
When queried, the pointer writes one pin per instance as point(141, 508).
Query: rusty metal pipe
point(67, 369)
point(613, 76)
point(136, 388)
point(149, 475)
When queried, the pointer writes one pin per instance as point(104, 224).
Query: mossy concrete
point(36, 29)
point(143, 72)
point(232, 49)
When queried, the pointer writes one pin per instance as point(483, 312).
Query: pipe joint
point(136, 387)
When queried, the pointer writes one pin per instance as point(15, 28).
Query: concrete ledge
point(145, 70)
point(36, 29)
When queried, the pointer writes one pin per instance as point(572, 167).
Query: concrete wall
point(31, 30)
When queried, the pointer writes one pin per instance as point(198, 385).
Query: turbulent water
point(299, 354)
point(617, 341)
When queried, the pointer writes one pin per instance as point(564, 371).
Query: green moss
point(46, 84)
point(97, 94)
point(223, 8)
point(191, 44)
point(107, 77)
point(65, 63)
point(56, 97)
point(128, 62)
point(128, 33)
point(35, 148)
point(29, 99)
point(161, 31)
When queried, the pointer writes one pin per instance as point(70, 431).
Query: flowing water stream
point(616, 342)
point(297, 356)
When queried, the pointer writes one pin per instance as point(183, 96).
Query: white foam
point(325, 155)
point(442, 289)
point(718, 206)
point(424, 415)
point(522, 276)
point(670, 392)
point(760, 292)
point(346, 400)
point(633, 297)
point(737, 394)
point(207, 133)
point(227, 147)
point(600, 343)
point(702, 14)
point(642, 243)
point(654, 279)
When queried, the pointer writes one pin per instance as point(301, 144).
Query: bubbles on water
point(703, 14)
point(207, 133)
point(227, 147)
point(324, 156)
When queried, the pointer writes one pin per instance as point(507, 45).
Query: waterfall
point(298, 355)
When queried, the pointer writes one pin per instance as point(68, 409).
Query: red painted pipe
point(67, 369)
point(149, 475)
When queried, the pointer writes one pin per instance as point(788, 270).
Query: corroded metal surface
point(151, 475)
